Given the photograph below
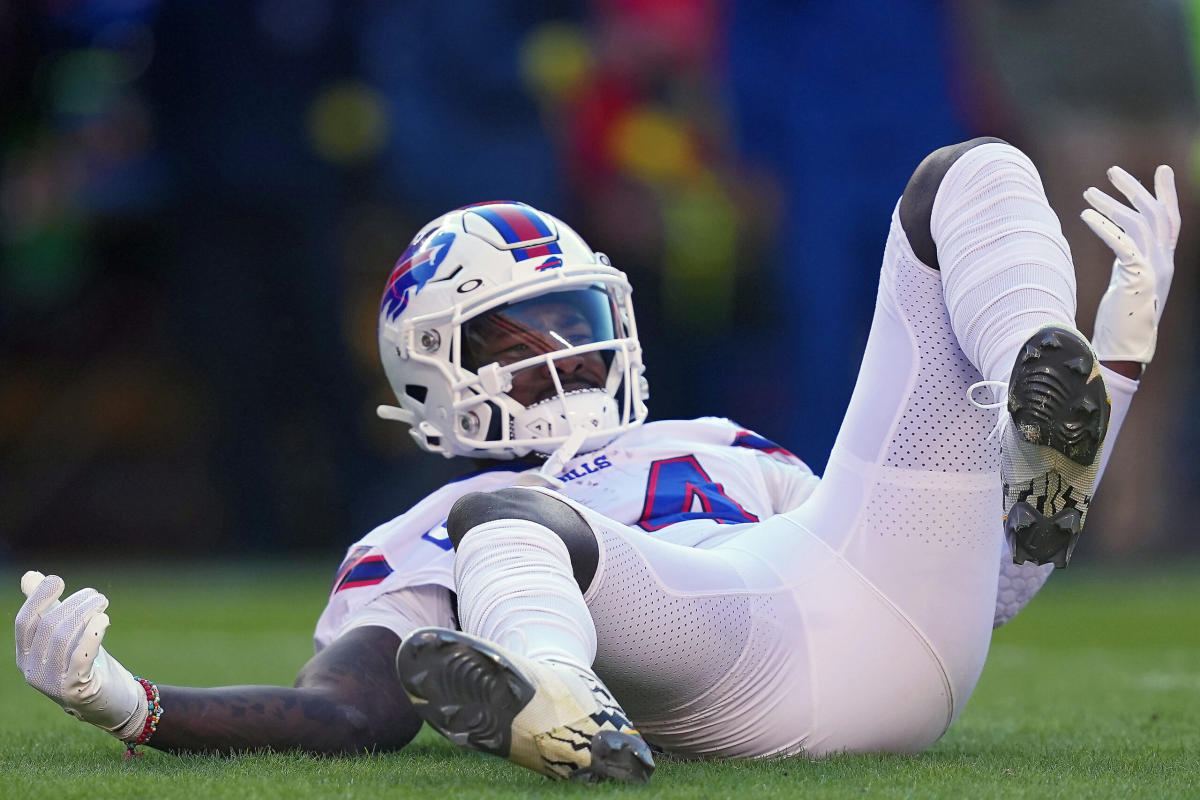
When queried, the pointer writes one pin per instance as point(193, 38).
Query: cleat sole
point(1057, 397)
point(1041, 539)
point(617, 756)
point(1059, 410)
point(467, 691)
point(472, 693)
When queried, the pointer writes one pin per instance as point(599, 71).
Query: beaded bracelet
point(155, 712)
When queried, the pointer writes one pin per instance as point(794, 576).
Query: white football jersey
point(685, 481)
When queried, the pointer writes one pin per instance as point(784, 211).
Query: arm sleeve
point(1120, 393)
point(1020, 582)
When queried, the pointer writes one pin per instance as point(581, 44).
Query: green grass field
point(1094, 691)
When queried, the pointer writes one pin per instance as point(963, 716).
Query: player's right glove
point(1143, 239)
point(59, 653)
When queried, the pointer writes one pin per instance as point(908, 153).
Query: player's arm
point(1143, 240)
point(347, 699)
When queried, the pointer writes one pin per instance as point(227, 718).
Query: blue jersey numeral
point(678, 485)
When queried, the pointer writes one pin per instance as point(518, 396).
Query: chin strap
point(394, 413)
point(565, 452)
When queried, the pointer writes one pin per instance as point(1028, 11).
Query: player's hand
point(59, 653)
point(1143, 239)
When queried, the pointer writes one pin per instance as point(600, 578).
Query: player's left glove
point(59, 653)
point(1143, 239)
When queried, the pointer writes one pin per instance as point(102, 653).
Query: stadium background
point(200, 202)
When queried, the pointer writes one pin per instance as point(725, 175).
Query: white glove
point(1143, 239)
point(59, 653)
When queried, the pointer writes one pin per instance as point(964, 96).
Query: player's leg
point(517, 682)
point(892, 560)
point(859, 622)
point(1007, 273)
point(890, 568)
point(703, 648)
point(911, 498)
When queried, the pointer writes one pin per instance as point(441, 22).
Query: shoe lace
point(1000, 392)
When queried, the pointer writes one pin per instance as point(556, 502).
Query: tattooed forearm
point(346, 700)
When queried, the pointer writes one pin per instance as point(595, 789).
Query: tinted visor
point(537, 326)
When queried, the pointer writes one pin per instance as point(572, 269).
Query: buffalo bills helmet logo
point(419, 263)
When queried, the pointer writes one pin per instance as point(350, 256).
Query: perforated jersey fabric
point(678, 635)
point(940, 426)
point(708, 659)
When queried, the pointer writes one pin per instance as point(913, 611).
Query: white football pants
point(861, 620)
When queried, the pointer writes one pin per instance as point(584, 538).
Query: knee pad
point(477, 508)
point(916, 204)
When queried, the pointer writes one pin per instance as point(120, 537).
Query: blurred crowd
point(200, 202)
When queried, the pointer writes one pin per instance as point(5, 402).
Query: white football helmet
point(501, 292)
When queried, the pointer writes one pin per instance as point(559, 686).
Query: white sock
point(1006, 268)
point(516, 588)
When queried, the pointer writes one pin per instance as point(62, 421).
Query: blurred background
point(200, 203)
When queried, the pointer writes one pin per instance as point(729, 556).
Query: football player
point(691, 581)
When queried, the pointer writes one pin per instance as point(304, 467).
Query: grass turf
point(1094, 691)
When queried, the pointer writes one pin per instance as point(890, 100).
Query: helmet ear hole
point(493, 433)
point(416, 392)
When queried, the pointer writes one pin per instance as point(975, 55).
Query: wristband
point(154, 712)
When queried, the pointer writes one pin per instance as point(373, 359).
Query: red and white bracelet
point(154, 714)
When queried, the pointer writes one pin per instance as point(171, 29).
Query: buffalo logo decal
point(415, 268)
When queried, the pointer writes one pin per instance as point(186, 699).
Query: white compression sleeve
point(1006, 268)
point(1120, 393)
point(516, 588)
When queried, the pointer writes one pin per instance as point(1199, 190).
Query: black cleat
point(554, 718)
point(1050, 455)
